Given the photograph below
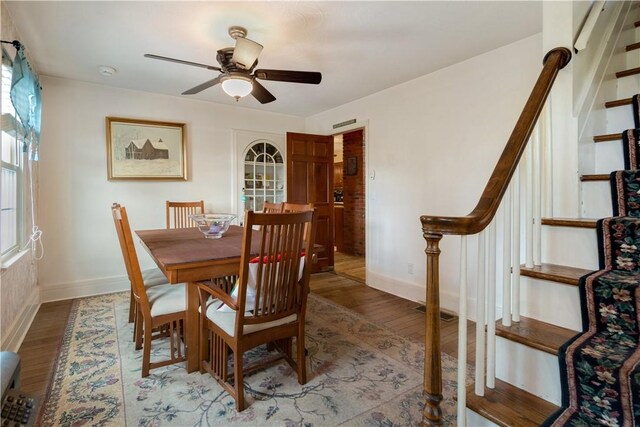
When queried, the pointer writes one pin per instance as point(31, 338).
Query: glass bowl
point(213, 226)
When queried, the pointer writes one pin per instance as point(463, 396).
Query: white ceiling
point(359, 47)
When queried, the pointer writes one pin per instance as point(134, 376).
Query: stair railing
point(498, 262)
point(434, 227)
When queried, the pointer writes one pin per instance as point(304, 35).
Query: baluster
point(547, 164)
point(515, 199)
point(432, 364)
point(462, 335)
point(491, 307)
point(480, 314)
point(506, 259)
point(537, 197)
point(528, 217)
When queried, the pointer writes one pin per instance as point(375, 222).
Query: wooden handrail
point(434, 227)
point(491, 197)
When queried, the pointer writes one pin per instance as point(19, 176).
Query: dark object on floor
point(445, 316)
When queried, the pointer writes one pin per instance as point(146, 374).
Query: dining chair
point(150, 277)
point(297, 207)
point(161, 308)
point(266, 307)
point(179, 212)
point(270, 207)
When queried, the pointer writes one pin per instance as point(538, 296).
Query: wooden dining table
point(185, 256)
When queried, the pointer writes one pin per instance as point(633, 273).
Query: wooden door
point(310, 180)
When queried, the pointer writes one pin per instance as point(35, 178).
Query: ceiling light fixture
point(246, 51)
point(237, 85)
point(105, 70)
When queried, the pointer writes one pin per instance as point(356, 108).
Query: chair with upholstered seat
point(178, 213)
point(161, 307)
point(151, 277)
point(266, 307)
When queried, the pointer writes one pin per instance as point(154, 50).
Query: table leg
point(193, 323)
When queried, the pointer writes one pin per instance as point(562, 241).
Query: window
point(11, 178)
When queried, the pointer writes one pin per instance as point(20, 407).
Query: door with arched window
point(261, 170)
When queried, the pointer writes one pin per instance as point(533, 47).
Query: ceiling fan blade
point(245, 53)
point(180, 61)
point(260, 93)
point(310, 77)
point(202, 86)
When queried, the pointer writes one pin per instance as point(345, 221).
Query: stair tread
point(507, 405)
point(571, 222)
point(633, 46)
point(535, 334)
point(618, 103)
point(607, 137)
point(595, 177)
point(557, 273)
point(629, 72)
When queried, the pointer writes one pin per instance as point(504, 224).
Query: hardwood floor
point(39, 350)
point(40, 346)
point(350, 266)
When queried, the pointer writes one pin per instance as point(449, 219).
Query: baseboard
point(13, 339)
point(81, 289)
point(416, 292)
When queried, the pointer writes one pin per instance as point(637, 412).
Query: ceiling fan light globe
point(237, 86)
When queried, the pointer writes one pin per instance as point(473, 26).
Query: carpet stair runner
point(600, 367)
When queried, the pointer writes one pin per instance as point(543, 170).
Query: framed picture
point(145, 150)
point(352, 166)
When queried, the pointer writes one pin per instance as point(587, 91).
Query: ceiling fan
point(237, 70)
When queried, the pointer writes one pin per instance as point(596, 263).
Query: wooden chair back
point(178, 213)
point(272, 207)
point(297, 207)
point(130, 256)
point(278, 291)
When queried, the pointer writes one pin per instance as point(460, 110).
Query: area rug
point(359, 374)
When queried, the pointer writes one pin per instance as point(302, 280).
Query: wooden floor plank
point(535, 334)
point(629, 72)
point(509, 406)
point(595, 177)
point(608, 137)
point(570, 222)
point(39, 349)
point(618, 103)
point(555, 273)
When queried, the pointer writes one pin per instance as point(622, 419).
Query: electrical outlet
point(410, 268)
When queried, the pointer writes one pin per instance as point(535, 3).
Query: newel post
point(432, 360)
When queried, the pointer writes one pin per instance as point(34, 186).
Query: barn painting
point(145, 149)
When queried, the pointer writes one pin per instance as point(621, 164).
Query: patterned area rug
point(359, 374)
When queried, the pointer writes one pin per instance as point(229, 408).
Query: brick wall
point(353, 188)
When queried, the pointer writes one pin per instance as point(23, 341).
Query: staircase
point(529, 398)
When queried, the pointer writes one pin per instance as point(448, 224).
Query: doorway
point(349, 205)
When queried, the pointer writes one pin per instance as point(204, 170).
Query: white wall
point(433, 143)
point(81, 249)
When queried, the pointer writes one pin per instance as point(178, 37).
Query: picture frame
point(145, 150)
point(352, 166)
